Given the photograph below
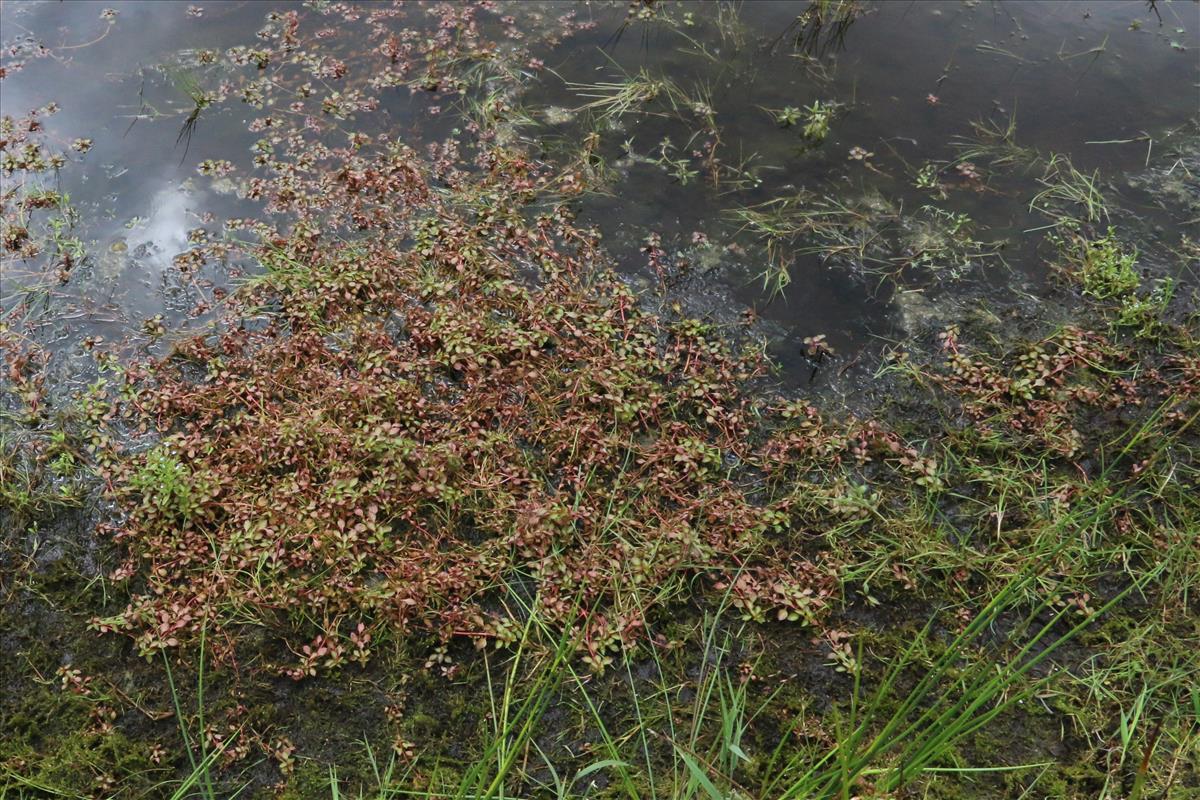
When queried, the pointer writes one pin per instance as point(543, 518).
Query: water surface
point(1111, 85)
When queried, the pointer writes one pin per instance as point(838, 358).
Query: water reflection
point(164, 233)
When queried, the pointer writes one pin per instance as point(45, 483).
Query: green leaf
point(705, 783)
point(599, 765)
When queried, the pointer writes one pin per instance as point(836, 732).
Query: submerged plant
point(821, 25)
point(786, 116)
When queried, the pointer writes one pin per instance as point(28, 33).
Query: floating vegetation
point(612, 100)
point(1069, 194)
point(816, 116)
point(807, 224)
point(471, 434)
point(786, 116)
point(866, 235)
point(996, 144)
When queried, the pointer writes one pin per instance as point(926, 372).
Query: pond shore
point(609, 400)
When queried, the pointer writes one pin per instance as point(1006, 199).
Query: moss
point(309, 779)
point(422, 726)
point(51, 741)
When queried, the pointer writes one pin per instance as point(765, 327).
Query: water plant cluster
point(412, 432)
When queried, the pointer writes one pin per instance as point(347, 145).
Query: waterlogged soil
point(946, 123)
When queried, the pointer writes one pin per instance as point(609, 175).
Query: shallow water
point(911, 79)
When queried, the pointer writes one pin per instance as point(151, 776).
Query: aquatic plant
point(823, 24)
point(786, 116)
point(611, 100)
point(818, 115)
point(810, 224)
point(1069, 194)
point(418, 426)
point(995, 143)
point(1103, 266)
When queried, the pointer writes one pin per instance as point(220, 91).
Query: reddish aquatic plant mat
point(429, 427)
point(433, 407)
point(1043, 395)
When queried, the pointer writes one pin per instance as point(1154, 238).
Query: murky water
point(1109, 85)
